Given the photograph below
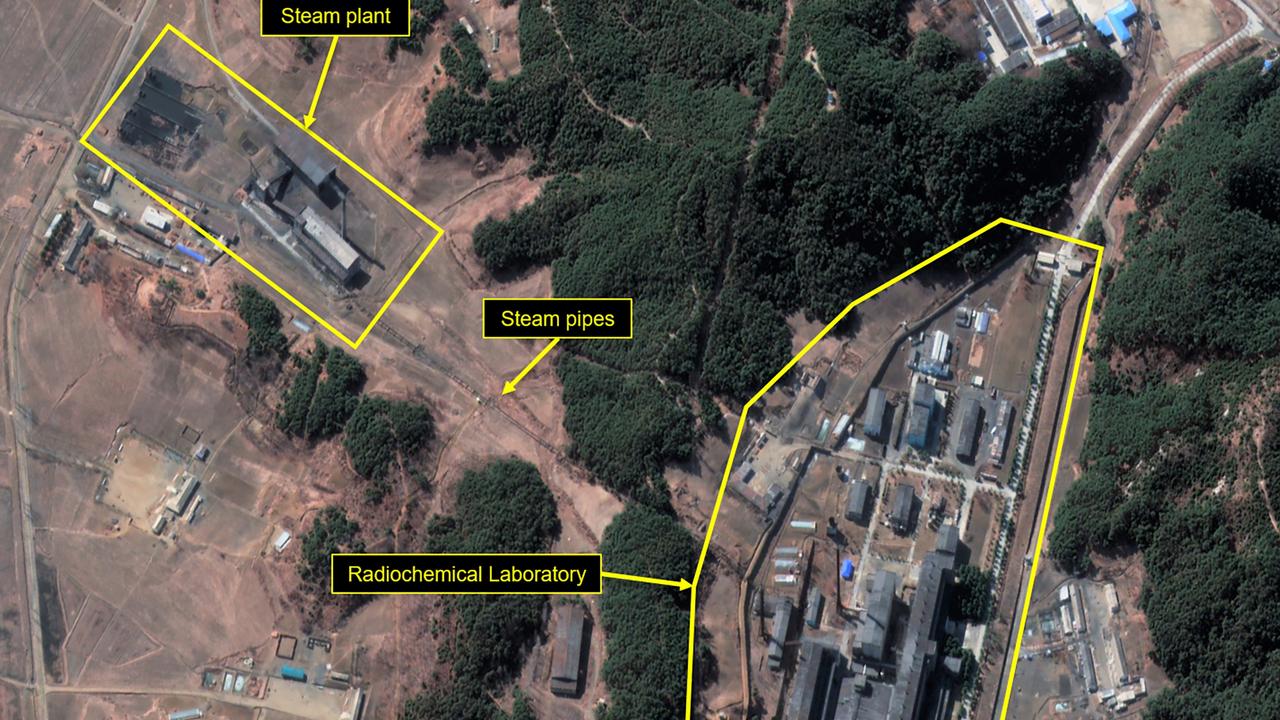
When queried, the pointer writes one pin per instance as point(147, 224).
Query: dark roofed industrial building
point(778, 634)
point(970, 429)
point(313, 164)
point(919, 658)
point(161, 95)
point(948, 540)
point(873, 425)
point(817, 682)
point(1005, 24)
point(900, 514)
point(872, 639)
point(921, 421)
point(569, 651)
point(813, 608)
point(158, 118)
point(859, 502)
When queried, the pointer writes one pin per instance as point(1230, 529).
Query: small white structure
point(104, 207)
point(941, 344)
point(282, 541)
point(156, 219)
point(1046, 259)
point(53, 226)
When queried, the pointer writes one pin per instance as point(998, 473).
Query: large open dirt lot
point(122, 384)
point(52, 53)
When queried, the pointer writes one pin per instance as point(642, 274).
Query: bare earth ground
point(101, 363)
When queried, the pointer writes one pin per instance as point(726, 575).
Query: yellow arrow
point(681, 583)
point(510, 385)
point(310, 117)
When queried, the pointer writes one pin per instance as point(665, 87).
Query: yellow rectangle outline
point(598, 556)
point(353, 344)
point(407, 33)
point(827, 329)
point(631, 316)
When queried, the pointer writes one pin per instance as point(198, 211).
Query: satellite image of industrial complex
point(639, 359)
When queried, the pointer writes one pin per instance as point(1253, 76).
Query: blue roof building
point(1113, 24)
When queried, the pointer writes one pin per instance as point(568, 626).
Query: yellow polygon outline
point(598, 556)
point(408, 26)
point(1053, 475)
point(354, 344)
point(631, 320)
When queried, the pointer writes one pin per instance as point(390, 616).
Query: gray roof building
point(859, 502)
point(313, 164)
point(948, 539)
point(904, 500)
point(816, 682)
point(326, 243)
point(813, 607)
point(872, 638)
point(567, 654)
point(1059, 25)
point(920, 651)
point(873, 418)
point(161, 96)
point(970, 426)
point(921, 421)
point(1000, 433)
point(778, 635)
point(71, 259)
point(1005, 24)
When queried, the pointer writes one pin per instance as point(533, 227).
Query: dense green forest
point(463, 61)
point(382, 432)
point(625, 428)
point(264, 321)
point(1184, 425)
point(324, 399)
point(503, 507)
point(675, 184)
point(422, 18)
point(647, 626)
point(724, 196)
point(332, 532)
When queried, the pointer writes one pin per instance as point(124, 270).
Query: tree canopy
point(264, 321)
point(647, 625)
point(1183, 422)
point(675, 184)
point(504, 507)
point(625, 427)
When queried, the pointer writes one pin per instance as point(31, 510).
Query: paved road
point(1134, 144)
point(19, 258)
point(17, 431)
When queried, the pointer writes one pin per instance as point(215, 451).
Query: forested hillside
point(724, 192)
point(503, 508)
point(675, 185)
point(1183, 447)
point(647, 625)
